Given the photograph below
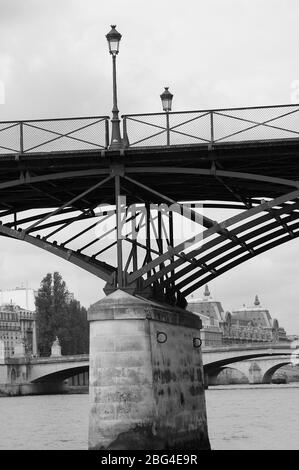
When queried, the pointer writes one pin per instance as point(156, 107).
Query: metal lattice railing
point(54, 135)
point(212, 126)
point(208, 127)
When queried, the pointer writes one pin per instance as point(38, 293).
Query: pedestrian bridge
point(257, 362)
point(242, 159)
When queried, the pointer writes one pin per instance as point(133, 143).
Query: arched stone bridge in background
point(46, 374)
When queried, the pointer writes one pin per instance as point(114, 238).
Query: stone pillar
point(255, 375)
point(146, 376)
point(2, 352)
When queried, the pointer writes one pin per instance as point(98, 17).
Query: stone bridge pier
point(146, 376)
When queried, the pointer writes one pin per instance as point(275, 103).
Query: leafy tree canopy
point(58, 314)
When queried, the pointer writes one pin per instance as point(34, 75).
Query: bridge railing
point(211, 127)
point(249, 346)
point(207, 127)
point(54, 135)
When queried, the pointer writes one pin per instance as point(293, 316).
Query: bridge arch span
point(98, 268)
point(220, 363)
point(61, 375)
point(50, 369)
point(226, 373)
point(267, 377)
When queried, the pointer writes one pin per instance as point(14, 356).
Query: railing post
point(125, 133)
point(21, 138)
point(106, 133)
point(212, 130)
point(167, 128)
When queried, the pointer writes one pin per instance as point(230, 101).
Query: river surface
point(239, 417)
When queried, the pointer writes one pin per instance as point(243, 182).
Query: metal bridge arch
point(276, 225)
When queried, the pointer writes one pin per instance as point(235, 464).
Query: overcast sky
point(54, 62)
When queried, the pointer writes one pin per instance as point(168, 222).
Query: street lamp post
point(113, 38)
point(166, 98)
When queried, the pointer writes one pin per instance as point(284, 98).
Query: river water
point(239, 417)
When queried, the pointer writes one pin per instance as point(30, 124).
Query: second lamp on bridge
point(166, 98)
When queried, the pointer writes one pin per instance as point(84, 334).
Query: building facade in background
point(246, 325)
point(18, 320)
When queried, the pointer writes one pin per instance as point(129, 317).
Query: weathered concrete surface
point(145, 394)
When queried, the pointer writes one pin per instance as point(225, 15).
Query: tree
point(59, 316)
point(44, 308)
point(77, 341)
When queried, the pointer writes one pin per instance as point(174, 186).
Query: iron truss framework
point(136, 217)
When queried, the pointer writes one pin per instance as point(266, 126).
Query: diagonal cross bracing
point(69, 203)
point(186, 212)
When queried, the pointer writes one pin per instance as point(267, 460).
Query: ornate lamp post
point(113, 38)
point(166, 98)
